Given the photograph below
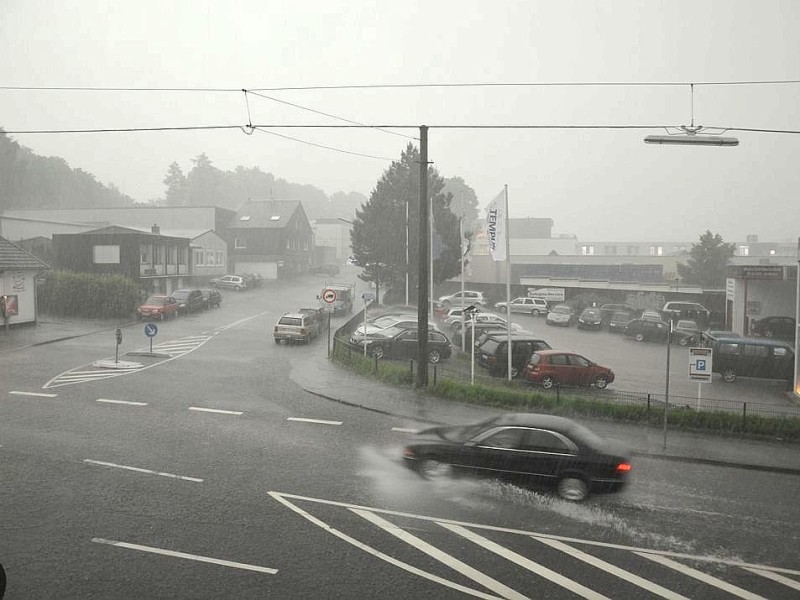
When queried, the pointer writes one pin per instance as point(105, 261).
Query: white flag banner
point(496, 227)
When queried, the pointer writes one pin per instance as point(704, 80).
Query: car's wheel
point(639, 337)
point(377, 352)
point(573, 489)
point(535, 312)
point(684, 341)
point(277, 341)
point(600, 382)
point(548, 382)
point(514, 372)
point(729, 375)
point(768, 333)
point(434, 356)
point(430, 468)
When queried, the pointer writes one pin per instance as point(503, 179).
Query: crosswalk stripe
point(451, 561)
point(700, 576)
point(377, 553)
point(526, 563)
point(775, 577)
point(609, 568)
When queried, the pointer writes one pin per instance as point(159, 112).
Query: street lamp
point(689, 138)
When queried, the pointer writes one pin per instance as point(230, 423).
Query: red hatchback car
point(158, 307)
point(555, 367)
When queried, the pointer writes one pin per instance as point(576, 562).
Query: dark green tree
point(378, 236)
point(175, 181)
point(707, 261)
point(464, 203)
point(204, 183)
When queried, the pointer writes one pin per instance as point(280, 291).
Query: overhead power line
point(408, 85)
point(340, 150)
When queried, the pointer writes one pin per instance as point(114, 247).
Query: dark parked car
point(591, 318)
point(554, 367)
point(158, 307)
point(212, 297)
point(619, 321)
point(644, 330)
point(608, 310)
point(542, 450)
point(753, 357)
point(686, 333)
point(395, 342)
point(493, 353)
point(782, 328)
point(189, 300)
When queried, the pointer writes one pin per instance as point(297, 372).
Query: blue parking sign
point(700, 364)
point(150, 330)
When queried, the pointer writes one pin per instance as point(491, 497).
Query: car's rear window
point(290, 321)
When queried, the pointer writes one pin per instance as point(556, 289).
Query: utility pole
point(422, 278)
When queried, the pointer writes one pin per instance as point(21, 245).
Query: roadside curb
point(717, 463)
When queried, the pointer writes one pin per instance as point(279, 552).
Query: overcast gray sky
point(600, 185)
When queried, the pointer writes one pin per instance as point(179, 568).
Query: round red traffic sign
point(329, 296)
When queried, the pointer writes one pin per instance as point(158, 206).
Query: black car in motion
point(525, 448)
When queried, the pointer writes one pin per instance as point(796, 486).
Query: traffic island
point(110, 363)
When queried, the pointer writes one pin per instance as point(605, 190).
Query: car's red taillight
point(408, 453)
point(624, 467)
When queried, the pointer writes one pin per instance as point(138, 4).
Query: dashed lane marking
point(126, 402)
point(171, 350)
point(39, 394)
point(318, 421)
point(140, 470)
point(405, 430)
point(185, 555)
point(216, 410)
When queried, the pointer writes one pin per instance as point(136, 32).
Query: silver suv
point(465, 298)
point(233, 282)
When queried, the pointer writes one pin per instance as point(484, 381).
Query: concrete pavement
point(316, 374)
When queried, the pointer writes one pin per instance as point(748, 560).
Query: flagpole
point(508, 281)
point(461, 246)
point(407, 265)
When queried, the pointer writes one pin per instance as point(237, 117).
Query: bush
point(71, 294)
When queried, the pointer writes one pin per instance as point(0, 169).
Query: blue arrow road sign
point(150, 330)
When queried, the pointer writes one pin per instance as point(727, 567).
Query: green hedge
point(70, 294)
point(504, 396)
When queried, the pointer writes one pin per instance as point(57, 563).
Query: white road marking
point(281, 496)
point(775, 577)
point(127, 402)
point(39, 394)
point(140, 470)
point(377, 553)
point(534, 567)
point(196, 557)
point(611, 569)
point(405, 430)
point(175, 349)
point(700, 576)
point(446, 559)
point(319, 421)
point(216, 410)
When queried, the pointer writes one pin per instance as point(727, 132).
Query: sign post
point(329, 297)
point(150, 330)
point(118, 336)
point(700, 368)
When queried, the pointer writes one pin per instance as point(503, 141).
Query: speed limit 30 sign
point(329, 295)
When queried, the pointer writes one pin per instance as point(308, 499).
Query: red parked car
point(158, 307)
point(555, 367)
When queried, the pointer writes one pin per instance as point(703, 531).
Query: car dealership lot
point(641, 366)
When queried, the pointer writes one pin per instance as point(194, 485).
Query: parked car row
point(185, 300)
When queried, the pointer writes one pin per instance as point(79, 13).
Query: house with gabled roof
point(270, 237)
point(160, 263)
point(18, 271)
